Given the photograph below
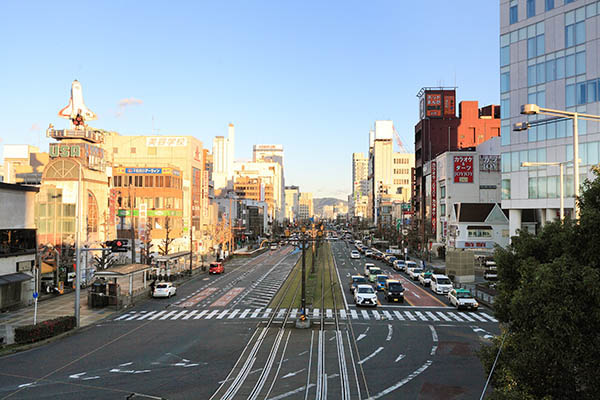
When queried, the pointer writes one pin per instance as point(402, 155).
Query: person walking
point(152, 284)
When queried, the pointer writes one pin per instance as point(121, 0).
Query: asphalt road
point(214, 338)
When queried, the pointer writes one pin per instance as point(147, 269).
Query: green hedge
point(44, 330)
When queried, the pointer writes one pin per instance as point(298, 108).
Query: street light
point(533, 109)
point(562, 192)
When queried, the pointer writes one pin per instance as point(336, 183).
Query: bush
point(44, 330)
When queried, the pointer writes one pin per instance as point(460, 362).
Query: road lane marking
point(444, 317)
point(489, 317)
point(398, 315)
point(402, 382)
point(434, 335)
point(190, 314)
point(373, 354)
point(158, 314)
point(233, 313)
point(390, 331)
point(400, 357)
point(410, 316)
point(200, 314)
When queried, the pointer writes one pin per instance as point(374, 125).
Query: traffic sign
point(35, 295)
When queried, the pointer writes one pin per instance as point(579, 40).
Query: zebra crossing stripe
point(190, 314)
point(181, 313)
point(123, 316)
point(220, 316)
point(420, 315)
point(399, 315)
point(255, 313)
point(266, 313)
point(376, 315)
point(201, 314)
point(343, 314)
point(465, 316)
point(233, 313)
point(410, 316)
point(244, 313)
point(158, 314)
point(387, 315)
point(293, 313)
point(211, 314)
point(489, 317)
point(443, 316)
point(456, 317)
point(146, 315)
point(167, 315)
point(281, 313)
point(478, 317)
point(133, 316)
point(365, 314)
point(353, 314)
point(316, 313)
point(433, 317)
point(329, 313)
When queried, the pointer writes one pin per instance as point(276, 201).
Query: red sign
point(433, 197)
point(463, 169)
point(475, 244)
point(449, 109)
point(433, 104)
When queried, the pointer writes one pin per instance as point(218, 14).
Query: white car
point(440, 284)
point(365, 295)
point(355, 254)
point(462, 298)
point(164, 289)
point(414, 273)
point(368, 266)
point(407, 265)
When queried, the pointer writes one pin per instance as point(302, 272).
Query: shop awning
point(14, 278)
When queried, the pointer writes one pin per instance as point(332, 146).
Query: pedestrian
point(152, 284)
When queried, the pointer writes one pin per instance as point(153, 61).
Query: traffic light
point(118, 246)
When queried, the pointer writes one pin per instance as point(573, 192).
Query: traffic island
point(303, 322)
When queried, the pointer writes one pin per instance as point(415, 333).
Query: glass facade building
point(548, 56)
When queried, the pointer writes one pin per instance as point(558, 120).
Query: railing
point(92, 135)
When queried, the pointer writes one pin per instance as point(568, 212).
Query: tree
point(105, 260)
point(549, 305)
point(163, 248)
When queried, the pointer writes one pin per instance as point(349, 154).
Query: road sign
point(35, 295)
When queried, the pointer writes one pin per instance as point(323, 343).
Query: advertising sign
point(433, 105)
point(449, 105)
point(433, 197)
point(463, 169)
point(147, 171)
point(489, 163)
point(165, 141)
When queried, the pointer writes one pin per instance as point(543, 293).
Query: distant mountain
point(318, 204)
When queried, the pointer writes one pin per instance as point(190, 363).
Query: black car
point(393, 291)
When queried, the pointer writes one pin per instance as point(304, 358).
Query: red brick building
point(439, 130)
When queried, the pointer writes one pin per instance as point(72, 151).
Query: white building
point(18, 245)
point(223, 159)
point(271, 153)
point(548, 56)
point(292, 194)
point(360, 185)
point(271, 177)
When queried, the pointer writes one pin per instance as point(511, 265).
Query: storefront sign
point(489, 163)
point(165, 141)
point(463, 169)
point(433, 197)
point(146, 171)
point(151, 213)
point(433, 105)
point(64, 150)
point(474, 245)
point(449, 108)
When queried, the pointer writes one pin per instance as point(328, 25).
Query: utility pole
point(303, 241)
point(132, 226)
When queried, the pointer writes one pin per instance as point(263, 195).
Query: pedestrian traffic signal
point(118, 246)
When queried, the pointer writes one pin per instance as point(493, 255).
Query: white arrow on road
point(77, 376)
point(292, 373)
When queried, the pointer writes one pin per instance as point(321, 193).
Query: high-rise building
point(305, 206)
point(439, 130)
point(271, 153)
point(292, 193)
point(360, 185)
point(223, 159)
point(270, 174)
point(548, 57)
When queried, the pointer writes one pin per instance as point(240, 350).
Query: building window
point(549, 5)
point(505, 189)
point(504, 82)
point(575, 27)
point(569, 1)
point(504, 56)
point(442, 209)
point(570, 95)
point(536, 46)
point(514, 14)
point(442, 192)
point(115, 150)
point(505, 108)
point(530, 8)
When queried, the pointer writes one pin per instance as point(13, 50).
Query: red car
point(216, 268)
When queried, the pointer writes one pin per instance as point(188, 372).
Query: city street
point(215, 336)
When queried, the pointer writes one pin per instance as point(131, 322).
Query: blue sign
point(143, 171)
point(35, 295)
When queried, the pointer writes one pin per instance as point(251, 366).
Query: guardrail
point(482, 293)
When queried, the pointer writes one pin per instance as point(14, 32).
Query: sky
point(310, 75)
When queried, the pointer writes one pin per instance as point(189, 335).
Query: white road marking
point(410, 316)
point(489, 317)
point(398, 315)
point(444, 317)
point(255, 313)
point(387, 314)
point(293, 373)
point(316, 313)
point(343, 314)
point(433, 349)
point(267, 312)
point(365, 314)
point(200, 314)
point(434, 335)
point(353, 314)
point(456, 317)
point(403, 382)
point(478, 317)
point(233, 313)
point(77, 376)
point(190, 314)
point(176, 316)
point(367, 358)
point(167, 315)
point(420, 315)
point(157, 315)
point(390, 331)
point(400, 357)
point(291, 393)
point(212, 314)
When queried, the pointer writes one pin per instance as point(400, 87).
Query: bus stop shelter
point(123, 284)
point(171, 266)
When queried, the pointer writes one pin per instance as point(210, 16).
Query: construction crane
point(399, 141)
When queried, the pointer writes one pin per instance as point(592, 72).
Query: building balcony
point(90, 135)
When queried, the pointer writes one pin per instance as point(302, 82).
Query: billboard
point(463, 169)
point(433, 104)
point(449, 105)
point(433, 197)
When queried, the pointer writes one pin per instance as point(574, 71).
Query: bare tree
point(163, 248)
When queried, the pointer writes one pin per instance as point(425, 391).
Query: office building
point(264, 182)
point(360, 185)
point(292, 194)
point(548, 57)
point(223, 152)
point(305, 206)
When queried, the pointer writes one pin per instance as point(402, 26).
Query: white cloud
point(124, 103)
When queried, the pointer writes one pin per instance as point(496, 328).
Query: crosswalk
point(352, 314)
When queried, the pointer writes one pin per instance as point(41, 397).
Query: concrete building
point(292, 194)
point(18, 245)
point(440, 130)
point(305, 206)
point(24, 163)
point(223, 152)
point(269, 176)
point(549, 57)
point(360, 185)
point(271, 153)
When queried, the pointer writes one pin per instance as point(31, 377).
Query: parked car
point(440, 284)
point(355, 254)
point(368, 253)
point(462, 298)
point(398, 265)
point(164, 289)
point(380, 281)
point(365, 295)
point(425, 278)
point(357, 280)
point(368, 266)
point(216, 268)
point(414, 272)
point(409, 264)
point(393, 291)
point(373, 272)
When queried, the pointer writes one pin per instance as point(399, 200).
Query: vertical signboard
point(433, 104)
point(433, 197)
point(143, 214)
point(463, 169)
point(449, 105)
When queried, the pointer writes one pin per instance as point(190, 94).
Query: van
point(440, 284)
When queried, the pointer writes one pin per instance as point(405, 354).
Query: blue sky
point(311, 75)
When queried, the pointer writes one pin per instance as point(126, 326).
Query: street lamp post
point(533, 109)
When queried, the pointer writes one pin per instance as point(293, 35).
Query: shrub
point(44, 330)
